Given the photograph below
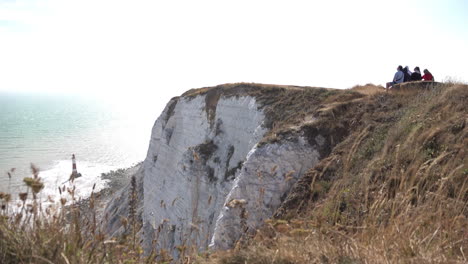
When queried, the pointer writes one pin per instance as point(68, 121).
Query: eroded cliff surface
point(221, 161)
point(194, 156)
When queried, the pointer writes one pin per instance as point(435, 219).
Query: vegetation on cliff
point(394, 190)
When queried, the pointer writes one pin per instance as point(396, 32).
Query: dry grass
point(241, 88)
point(31, 233)
point(368, 89)
point(395, 190)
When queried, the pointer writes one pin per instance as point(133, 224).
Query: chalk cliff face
point(210, 175)
point(195, 154)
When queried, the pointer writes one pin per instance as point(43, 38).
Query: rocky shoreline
point(117, 180)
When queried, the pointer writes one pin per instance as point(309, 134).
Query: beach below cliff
point(116, 180)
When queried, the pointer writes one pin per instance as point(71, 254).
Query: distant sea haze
point(47, 129)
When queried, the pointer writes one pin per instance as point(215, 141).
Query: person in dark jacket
point(427, 76)
point(407, 74)
point(416, 75)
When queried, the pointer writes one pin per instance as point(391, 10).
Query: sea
point(46, 129)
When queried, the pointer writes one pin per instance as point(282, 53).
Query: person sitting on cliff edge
point(416, 75)
point(398, 78)
point(407, 73)
point(427, 76)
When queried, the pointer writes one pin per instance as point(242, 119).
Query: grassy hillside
point(392, 188)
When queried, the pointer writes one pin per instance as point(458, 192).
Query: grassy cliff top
point(393, 188)
point(285, 107)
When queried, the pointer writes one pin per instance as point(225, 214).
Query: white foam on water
point(58, 177)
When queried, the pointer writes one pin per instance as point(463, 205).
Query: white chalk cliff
point(210, 176)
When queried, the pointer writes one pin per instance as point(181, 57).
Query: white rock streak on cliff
point(267, 175)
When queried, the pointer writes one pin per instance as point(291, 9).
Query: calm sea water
point(47, 129)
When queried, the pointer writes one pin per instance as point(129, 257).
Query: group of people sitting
point(405, 75)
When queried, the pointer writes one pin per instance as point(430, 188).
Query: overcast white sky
point(159, 49)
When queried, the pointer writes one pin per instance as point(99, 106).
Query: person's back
point(406, 74)
point(398, 78)
point(427, 76)
point(416, 75)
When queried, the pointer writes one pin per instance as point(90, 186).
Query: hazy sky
point(162, 48)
